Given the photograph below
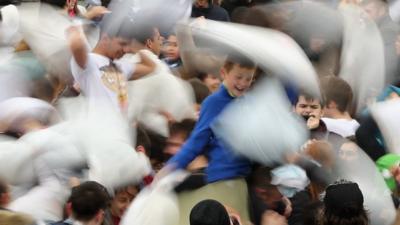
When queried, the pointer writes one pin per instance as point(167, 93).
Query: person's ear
point(100, 216)
point(149, 43)
point(141, 149)
point(223, 73)
point(68, 209)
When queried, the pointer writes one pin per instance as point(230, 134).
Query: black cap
point(344, 199)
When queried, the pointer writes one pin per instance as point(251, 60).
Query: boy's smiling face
point(238, 79)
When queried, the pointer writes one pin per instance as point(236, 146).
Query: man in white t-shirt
point(338, 96)
point(99, 75)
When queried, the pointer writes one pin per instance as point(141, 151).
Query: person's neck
point(341, 115)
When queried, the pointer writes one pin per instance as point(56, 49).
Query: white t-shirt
point(343, 127)
point(95, 84)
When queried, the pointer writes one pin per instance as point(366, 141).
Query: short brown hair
point(239, 60)
point(338, 91)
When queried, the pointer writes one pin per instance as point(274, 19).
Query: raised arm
point(195, 61)
point(77, 45)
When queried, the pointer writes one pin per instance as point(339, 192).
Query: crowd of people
point(140, 112)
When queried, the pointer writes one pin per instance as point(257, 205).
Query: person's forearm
point(146, 66)
point(195, 61)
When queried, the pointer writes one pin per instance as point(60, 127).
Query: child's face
point(212, 82)
point(171, 49)
point(238, 79)
point(122, 200)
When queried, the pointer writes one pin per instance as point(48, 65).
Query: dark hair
point(87, 199)
point(338, 91)
point(209, 212)
point(343, 205)
point(58, 3)
point(140, 33)
point(239, 60)
point(311, 213)
point(308, 97)
point(184, 127)
point(143, 139)
point(200, 90)
point(157, 145)
point(329, 218)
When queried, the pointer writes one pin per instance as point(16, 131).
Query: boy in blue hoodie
point(223, 167)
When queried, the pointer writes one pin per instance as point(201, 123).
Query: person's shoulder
point(219, 13)
point(213, 98)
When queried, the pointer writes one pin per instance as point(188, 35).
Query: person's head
point(375, 9)
point(122, 199)
point(237, 74)
point(147, 35)
point(349, 151)
point(5, 196)
point(202, 3)
point(179, 132)
point(269, 194)
point(88, 201)
point(154, 42)
point(171, 48)
point(322, 152)
point(344, 205)
point(212, 81)
point(200, 90)
point(307, 106)
point(337, 94)
point(113, 47)
point(209, 212)
point(143, 142)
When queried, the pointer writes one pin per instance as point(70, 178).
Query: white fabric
point(44, 202)
point(90, 82)
point(387, 116)
point(260, 125)
point(105, 136)
point(13, 110)
point(362, 68)
point(265, 49)
point(156, 92)
point(9, 26)
point(44, 25)
point(290, 176)
point(157, 204)
point(343, 127)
